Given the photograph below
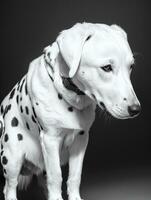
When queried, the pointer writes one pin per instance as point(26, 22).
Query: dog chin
point(112, 113)
point(104, 108)
point(119, 116)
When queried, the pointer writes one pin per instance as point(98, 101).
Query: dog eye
point(107, 68)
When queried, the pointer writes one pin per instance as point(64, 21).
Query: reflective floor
point(129, 184)
point(116, 184)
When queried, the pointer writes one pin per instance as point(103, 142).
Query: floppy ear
point(51, 53)
point(120, 30)
point(71, 42)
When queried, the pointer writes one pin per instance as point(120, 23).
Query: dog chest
point(51, 107)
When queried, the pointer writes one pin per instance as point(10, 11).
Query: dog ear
point(120, 30)
point(71, 42)
point(51, 53)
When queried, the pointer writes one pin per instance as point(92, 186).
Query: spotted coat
point(21, 110)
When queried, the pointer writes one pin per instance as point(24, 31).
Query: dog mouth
point(115, 113)
point(111, 113)
point(100, 104)
point(104, 108)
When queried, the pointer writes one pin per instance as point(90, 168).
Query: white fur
point(79, 52)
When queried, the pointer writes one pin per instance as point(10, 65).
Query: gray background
point(117, 162)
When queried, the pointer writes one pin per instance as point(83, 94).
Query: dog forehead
point(106, 44)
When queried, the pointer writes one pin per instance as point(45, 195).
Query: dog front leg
point(50, 147)
point(77, 152)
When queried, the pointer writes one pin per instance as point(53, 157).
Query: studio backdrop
point(27, 27)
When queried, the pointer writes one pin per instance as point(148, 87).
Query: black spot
point(4, 170)
point(2, 153)
point(1, 128)
point(102, 105)
point(8, 107)
point(6, 137)
point(33, 119)
point(70, 108)
point(21, 109)
point(88, 37)
point(12, 94)
point(5, 111)
point(81, 133)
point(20, 98)
point(27, 110)
point(44, 173)
point(17, 99)
point(93, 96)
point(34, 112)
point(14, 122)
point(51, 78)
point(20, 136)
point(2, 147)
point(37, 103)
point(26, 91)
point(2, 109)
point(41, 126)
point(4, 160)
point(27, 125)
point(21, 87)
point(59, 96)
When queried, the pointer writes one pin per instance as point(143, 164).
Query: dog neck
point(65, 86)
point(68, 84)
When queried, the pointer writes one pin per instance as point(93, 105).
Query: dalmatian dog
point(46, 118)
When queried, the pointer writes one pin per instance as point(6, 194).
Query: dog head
point(100, 62)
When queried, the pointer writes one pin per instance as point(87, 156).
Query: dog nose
point(134, 109)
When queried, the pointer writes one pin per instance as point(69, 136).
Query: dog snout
point(134, 109)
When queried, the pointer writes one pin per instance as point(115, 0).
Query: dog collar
point(68, 84)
